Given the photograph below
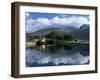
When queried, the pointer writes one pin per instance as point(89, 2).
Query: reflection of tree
point(60, 48)
point(84, 50)
point(53, 48)
point(68, 47)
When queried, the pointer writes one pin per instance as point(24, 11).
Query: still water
point(53, 55)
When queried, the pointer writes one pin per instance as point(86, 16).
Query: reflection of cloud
point(56, 58)
point(33, 25)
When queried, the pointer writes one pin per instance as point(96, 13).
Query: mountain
point(42, 31)
point(47, 30)
point(82, 33)
point(84, 27)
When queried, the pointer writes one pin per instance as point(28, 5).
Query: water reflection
point(53, 55)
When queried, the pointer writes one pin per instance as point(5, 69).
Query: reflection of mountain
point(82, 33)
point(78, 33)
point(67, 49)
point(43, 57)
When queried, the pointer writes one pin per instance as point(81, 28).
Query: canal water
point(53, 55)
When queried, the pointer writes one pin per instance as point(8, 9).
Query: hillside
point(82, 33)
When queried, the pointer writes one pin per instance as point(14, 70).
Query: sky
point(36, 21)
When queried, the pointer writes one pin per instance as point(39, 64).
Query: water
point(53, 55)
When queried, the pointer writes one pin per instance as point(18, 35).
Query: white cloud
point(58, 20)
point(27, 15)
point(33, 25)
point(43, 21)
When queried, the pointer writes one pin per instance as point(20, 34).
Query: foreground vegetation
point(58, 38)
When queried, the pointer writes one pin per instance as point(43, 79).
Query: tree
point(68, 37)
point(36, 37)
point(51, 35)
point(59, 36)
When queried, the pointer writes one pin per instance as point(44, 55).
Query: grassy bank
point(62, 42)
point(30, 44)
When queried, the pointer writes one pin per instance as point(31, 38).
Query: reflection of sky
point(37, 21)
point(33, 56)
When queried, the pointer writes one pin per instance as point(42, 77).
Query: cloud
point(56, 58)
point(33, 25)
point(43, 21)
point(27, 14)
point(58, 20)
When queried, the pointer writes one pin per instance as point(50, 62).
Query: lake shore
point(60, 42)
point(72, 42)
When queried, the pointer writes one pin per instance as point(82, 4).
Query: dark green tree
point(51, 35)
point(68, 37)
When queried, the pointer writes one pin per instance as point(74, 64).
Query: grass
point(77, 42)
point(63, 42)
point(30, 44)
